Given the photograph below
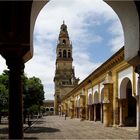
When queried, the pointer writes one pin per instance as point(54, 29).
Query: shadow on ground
point(27, 138)
point(32, 138)
point(41, 129)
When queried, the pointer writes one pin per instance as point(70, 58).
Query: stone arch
point(130, 23)
point(51, 109)
point(123, 77)
point(90, 99)
point(102, 95)
point(47, 109)
point(69, 54)
point(127, 104)
point(64, 41)
point(60, 53)
point(123, 88)
point(95, 97)
point(97, 106)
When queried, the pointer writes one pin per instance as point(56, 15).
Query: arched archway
point(130, 25)
point(97, 107)
point(47, 109)
point(90, 99)
point(127, 104)
point(129, 22)
point(51, 109)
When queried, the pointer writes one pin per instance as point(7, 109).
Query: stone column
point(137, 70)
point(65, 109)
point(139, 105)
point(137, 120)
point(95, 112)
point(106, 114)
point(121, 113)
point(87, 112)
point(72, 110)
point(108, 104)
point(82, 107)
point(16, 67)
point(101, 109)
point(137, 110)
point(91, 113)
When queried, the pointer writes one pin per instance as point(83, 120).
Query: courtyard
point(56, 127)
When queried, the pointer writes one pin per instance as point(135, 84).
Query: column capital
point(15, 64)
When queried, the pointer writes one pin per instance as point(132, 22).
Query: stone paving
point(55, 127)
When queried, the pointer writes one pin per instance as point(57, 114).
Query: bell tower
point(64, 79)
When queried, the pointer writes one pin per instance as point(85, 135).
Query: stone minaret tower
point(64, 79)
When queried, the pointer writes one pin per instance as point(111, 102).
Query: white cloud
point(117, 40)
point(79, 16)
point(3, 65)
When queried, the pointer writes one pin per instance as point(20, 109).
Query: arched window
point(69, 54)
point(64, 54)
point(60, 54)
point(64, 41)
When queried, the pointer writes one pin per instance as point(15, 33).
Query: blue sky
point(94, 29)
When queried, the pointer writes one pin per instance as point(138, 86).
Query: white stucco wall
point(89, 92)
point(95, 94)
point(101, 87)
point(127, 73)
point(127, 12)
point(137, 83)
point(95, 89)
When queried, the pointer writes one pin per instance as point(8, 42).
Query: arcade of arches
point(109, 94)
point(49, 107)
point(16, 46)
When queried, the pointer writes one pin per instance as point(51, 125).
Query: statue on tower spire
point(63, 31)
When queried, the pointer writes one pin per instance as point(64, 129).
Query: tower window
point(64, 41)
point(60, 54)
point(69, 54)
point(64, 54)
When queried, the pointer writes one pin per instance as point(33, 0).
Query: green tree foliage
point(4, 93)
point(33, 109)
point(33, 94)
